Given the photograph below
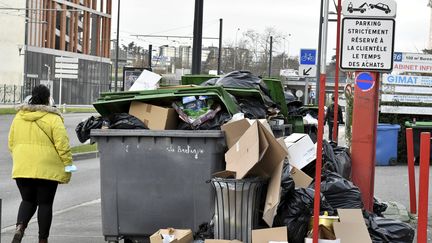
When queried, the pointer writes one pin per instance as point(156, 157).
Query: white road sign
point(307, 71)
point(65, 66)
point(369, 8)
point(64, 75)
point(412, 62)
point(406, 110)
point(407, 80)
point(406, 98)
point(367, 44)
point(66, 59)
point(391, 89)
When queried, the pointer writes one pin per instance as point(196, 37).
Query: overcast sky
point(297, 19)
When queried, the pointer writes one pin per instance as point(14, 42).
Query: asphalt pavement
point(77, 207)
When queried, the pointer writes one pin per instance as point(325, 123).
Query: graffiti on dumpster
point(185, 150)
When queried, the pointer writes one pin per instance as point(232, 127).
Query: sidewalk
point(81, 223)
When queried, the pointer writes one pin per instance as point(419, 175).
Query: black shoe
point(19, 233)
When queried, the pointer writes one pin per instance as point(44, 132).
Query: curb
point(87, 155)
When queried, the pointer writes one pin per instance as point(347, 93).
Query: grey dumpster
point(156, 179)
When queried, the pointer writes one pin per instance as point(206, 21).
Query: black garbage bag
point(214, 124)
point(242, 79)
point(252, 108)
point(205, 231)
point(382, 230)
point(125, 121)
point(295, 211)
point(343, 157)
point(287, 182)
point(210, 82)
point(83, 128)
point(340, 164)
point(289, 96)
point(379, 207)
point(339, 192)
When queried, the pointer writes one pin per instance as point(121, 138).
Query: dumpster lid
point(156, 133)
point(425, 124)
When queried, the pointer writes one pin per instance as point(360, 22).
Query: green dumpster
point(277, 94)
point(118, 102)
point(418, 128)
point(196, 79)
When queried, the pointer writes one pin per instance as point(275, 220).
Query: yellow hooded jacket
point(39, 144)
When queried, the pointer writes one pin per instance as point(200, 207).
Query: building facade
point(59, 29)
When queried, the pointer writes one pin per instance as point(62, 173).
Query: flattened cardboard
point(273, 191)
point(234, 130)
point(301, 179)
point(301, 150)
point(271, 158)
point(154, 117)
point(246, 152)
point(271, 234)
point(273, 195)
point(352, 227)
point(181, 235)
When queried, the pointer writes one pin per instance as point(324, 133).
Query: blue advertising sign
point(365, 81)
point(307, 56)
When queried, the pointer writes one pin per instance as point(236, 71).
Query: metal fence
point(10, 94)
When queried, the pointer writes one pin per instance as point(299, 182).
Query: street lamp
point(235, 48)
point(48, 76)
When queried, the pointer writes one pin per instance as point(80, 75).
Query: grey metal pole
point(220, 46)
point(270, 59)
point(197, 37)
point(150, 50)
point(117, 46)
point(317, 87)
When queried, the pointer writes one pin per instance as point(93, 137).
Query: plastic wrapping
point(295, 211)
point(252, 109)
point(214, 124)
point(379, 207)
point(83, 128)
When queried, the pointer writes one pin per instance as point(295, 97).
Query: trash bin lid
point(422, 124)
point(386, 126)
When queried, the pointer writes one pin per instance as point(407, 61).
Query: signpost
point(412, 62)
point(65, 67)
point(367, 44)
point(307, 68)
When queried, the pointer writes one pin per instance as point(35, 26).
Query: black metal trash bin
point(156, 179)
point(237, 207)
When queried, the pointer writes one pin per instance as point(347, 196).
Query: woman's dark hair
point(40, 95)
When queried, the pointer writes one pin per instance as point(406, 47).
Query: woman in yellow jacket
point(40, 150)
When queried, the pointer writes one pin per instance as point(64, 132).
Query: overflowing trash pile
point(266, 192)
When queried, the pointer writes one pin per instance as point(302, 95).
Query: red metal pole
point(336, 89)
point(317, 196)
point(411, 173)
point(423, 187)
point(363, 145)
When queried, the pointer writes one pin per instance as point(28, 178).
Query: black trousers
point(36, 194)
point(330, 135)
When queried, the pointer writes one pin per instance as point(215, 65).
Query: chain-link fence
point(10, 94)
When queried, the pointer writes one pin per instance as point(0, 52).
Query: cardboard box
point(255, 152)
point(301, 179)
point(221, 241)
point(154, 117)
point(279, 234)
point(301, 150)
point(180, 236)
point(351, 219)
point(350, 229)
